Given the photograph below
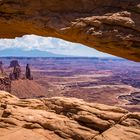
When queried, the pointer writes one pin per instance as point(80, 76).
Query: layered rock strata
point(62, 118)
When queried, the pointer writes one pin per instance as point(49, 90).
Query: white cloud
point(30, 42)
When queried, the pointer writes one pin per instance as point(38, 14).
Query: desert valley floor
point(110, 81)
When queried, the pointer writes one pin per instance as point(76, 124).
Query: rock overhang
point(106, 25)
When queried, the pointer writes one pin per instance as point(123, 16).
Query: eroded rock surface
point(62, 118)
point(5, 83)
point(111, 26)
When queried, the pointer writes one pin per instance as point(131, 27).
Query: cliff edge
point(62, 118)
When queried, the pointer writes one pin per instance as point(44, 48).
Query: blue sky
point(49, 44)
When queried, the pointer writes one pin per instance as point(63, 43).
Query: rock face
point(5, 84)
point(111, 26)
point(62, 118)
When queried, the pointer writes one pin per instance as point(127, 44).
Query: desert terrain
point(110, 81)
point(102, 80)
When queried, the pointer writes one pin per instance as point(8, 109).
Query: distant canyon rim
point(106, 25)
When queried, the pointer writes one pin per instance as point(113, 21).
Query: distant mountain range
point(15, 52)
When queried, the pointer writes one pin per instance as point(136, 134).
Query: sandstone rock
point(26, 134)
point(119, 132)
point(62, 118)
point(106, 25)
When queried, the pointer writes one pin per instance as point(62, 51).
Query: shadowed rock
point(106, 25)
point(5, 83)
point(14, 63)
point(16, 72)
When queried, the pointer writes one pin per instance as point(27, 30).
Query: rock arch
point(111, 26)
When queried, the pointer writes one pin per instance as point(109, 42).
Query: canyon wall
point(111, 26)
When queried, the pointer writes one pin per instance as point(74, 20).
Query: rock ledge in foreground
point(62, 118)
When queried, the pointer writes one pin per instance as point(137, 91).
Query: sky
point(48, 44)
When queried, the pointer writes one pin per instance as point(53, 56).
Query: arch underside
point(106, 25)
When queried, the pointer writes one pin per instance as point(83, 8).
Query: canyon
point(70, 98)
point(106, 25)
point(100, 80)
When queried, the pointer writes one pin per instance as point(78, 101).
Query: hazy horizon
point(37, 46)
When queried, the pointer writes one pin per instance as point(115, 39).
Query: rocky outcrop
point(5, 83)
point(62, 118)
point(111, 26)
